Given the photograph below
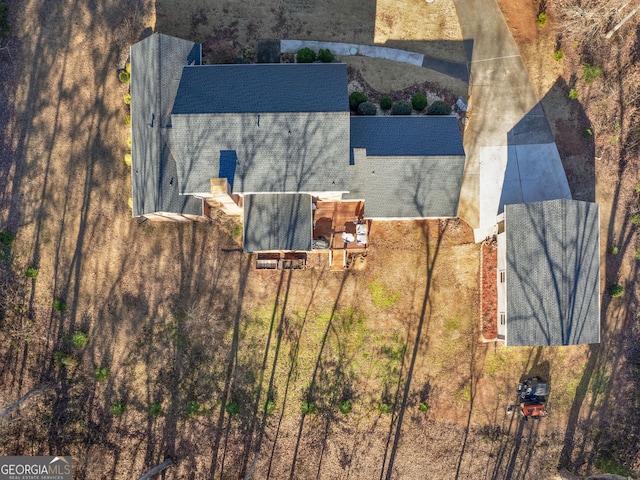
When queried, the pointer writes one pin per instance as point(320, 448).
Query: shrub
point(355, 99)
point(129, 141)
point(635, 219)
point(308, 408)
point(102, 373)
point(367, 108)
point(155, 408)
point(345, 406)
point(419, 102)
point(269, 407)
point(6, 238)
point(59, 305)
point(127, 120)
point(541, 21)
point(439, 108)
point(325, 55)
point(127, 67)
point(193, 407)
point(31, 272)
point(127, 159)
point(573, 94)
point(587, 132)
point(232, 408)
point(117, 408)
point(124, 76)
point(79, 339)
point(423, 407)
point(5, 26)
point(306, 55)
point(558, 55)
point(590, 73)
point(385, 102)
point(384, 408)
point(63, 360)
point(401, 107)
point(127, 98)
point(616, 290)
point(614, 250)
point(637, 255)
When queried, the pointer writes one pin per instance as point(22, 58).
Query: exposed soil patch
point(489, 296)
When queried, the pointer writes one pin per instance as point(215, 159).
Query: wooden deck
point(331, 219)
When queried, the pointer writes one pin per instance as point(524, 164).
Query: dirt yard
point(214, 361)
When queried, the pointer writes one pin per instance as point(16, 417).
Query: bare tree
point(33, 393)
point(157, 469)
point(589, 18)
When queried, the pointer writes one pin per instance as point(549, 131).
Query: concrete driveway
point(511, 153)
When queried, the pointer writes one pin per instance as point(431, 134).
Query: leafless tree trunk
point(622, 22)
point(157, 469)
point(590, 17)
point(33, 393)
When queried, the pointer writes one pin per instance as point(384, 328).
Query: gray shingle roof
point(276, 152)
point(553, 273)
point(405, 136)
point(156, 63)
point(277, 222)
point(262, 88)
point(407, 187)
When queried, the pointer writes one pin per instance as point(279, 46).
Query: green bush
point(587, 132)
point(127, 98)
point(590, 73)
point(325, 55)
point(124, 76)
point(193, 407)
point(306, 55)
point(59, 305)
point(127, 120)
point(439, 108)
point(79, 339)
point(64, 360)
point(31, 272)
point(117, 408)
point(101, 373)
point(384, 408)
point(345, 406)
point(419, 102)
point(155, 408)
point(573, 94)
point(5, 26)
point(367, 108)
point(6, 238)
point(355, 99)
point(541, 21)
point(309, 408)
point(635, 219)
point(269, 407)
point(558, 55)
point(401, 107)
point(616, 290)
point(637, 254)
point(614, 250)
point(129, 141)
point(127, 159)
point(423, 407)
point(385, 102)
point(232, 408)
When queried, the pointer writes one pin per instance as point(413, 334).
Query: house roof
point(263, 88)
point(156, 63)
point(413, 166)
point(406, 136)
point(277, 222)
point(553, 273)
point(275, 152)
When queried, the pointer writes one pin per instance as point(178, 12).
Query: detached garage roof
point(553, 273)
point(281, 221)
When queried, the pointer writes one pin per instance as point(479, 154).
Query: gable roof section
point(277, 222)
point(156, 63)
point(553, 273)
point(406, 136)
point(413, 166)
point(263, 88)
point(276, 152)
